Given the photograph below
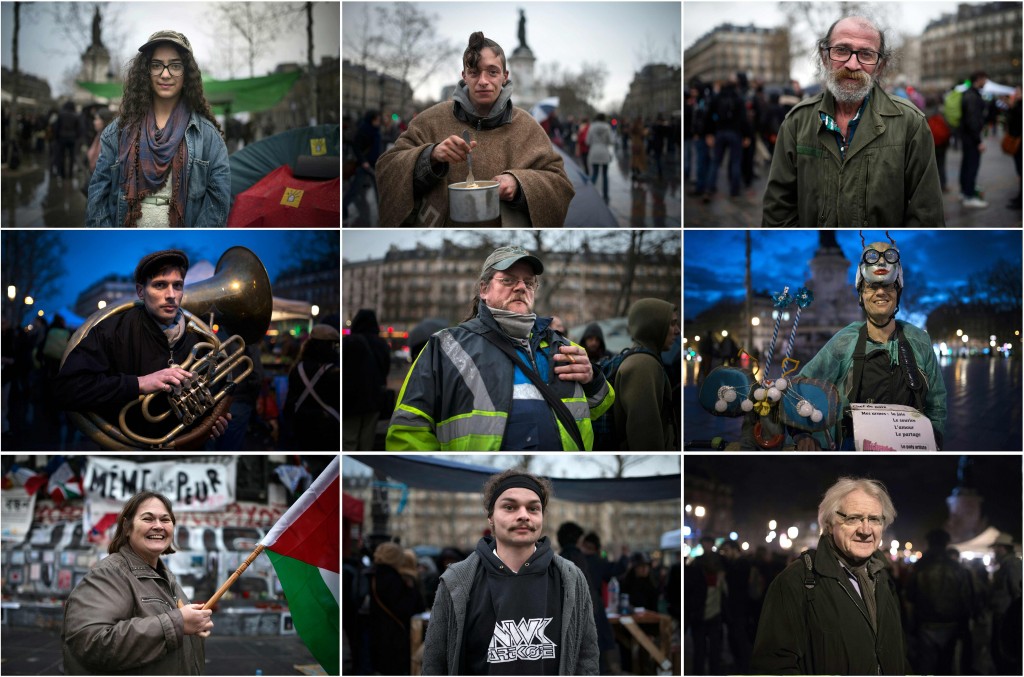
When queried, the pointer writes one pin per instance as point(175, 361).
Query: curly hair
point(138, 88)
point(490, 494)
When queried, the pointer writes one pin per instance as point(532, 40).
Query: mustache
point(844, 72)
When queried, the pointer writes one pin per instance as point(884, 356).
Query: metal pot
point(470, 205)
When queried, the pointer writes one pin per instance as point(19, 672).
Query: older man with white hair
point(853, 155)
point(835, 610)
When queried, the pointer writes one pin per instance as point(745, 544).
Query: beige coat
point(520, 148)
point(123, 619)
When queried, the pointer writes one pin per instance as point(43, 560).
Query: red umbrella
point(280, 200)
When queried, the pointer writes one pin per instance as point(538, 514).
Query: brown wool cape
point(520, 148)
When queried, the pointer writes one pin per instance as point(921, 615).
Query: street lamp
point(772, 524)
point(12, 292)
point(29, 300)
point(959, 332)
point(792, 532)
point(689, 508)
point(101, 304)
point(755, 321)
point(724, 333)
point(315, 310)
point(699, 511)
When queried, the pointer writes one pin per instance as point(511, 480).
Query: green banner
point(247, 95)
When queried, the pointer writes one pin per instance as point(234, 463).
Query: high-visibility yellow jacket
point(458, 393)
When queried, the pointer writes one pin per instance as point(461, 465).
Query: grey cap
point(168, 36)
point(503, 258)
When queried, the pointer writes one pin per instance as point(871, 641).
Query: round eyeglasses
point(873, 256)
point(175, 68)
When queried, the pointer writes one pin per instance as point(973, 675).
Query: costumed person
point(507, 144)
point(880, 360)
point(163, 162)
point(128, 615)
point(126, 355)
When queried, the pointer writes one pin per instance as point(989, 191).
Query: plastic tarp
point(248, 95)
point(250, 164)
point(439, 475)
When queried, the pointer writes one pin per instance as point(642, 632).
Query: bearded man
point(853, 156)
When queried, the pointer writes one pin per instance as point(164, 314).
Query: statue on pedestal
point(522, 29)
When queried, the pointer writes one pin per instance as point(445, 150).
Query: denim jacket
point(209, 179)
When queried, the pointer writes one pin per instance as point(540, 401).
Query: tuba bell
point(239, 292)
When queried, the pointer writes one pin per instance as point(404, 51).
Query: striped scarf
point(147, 153)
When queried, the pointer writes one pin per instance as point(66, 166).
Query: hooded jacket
point(888, 178)
point(643, 403)
point(366, 361)
point(594, 329)
point(123, 618)
point(509, 142)
point(824, 630)
point(444, 646)
point(459, 392)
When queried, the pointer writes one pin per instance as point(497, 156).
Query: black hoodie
point(513, 619)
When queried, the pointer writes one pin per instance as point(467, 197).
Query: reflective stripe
point(476, 423)
point(595, 399)
point(526, 391)
point(579, 409)
point(468, 371)
point(408, 416)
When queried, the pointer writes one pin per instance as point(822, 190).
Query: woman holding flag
point(129, 615)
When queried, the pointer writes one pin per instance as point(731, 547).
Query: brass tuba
point(239, 292)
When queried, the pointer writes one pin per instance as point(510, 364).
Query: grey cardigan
point(442, 647)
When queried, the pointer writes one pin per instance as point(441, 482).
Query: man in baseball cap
point(503, 379)
point(135, 352)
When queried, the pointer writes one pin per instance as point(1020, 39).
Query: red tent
point(280, 200)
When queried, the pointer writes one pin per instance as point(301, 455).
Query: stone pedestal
point(95, 68)
point(520, 67)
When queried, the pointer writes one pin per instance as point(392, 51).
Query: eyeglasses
point(531, 283)
point(866, 57)
point(872, 287)
point(873, 256)
point(175, 68)
point(874, 521)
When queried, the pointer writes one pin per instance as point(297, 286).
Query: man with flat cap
point(501, 380)
point(128, 354)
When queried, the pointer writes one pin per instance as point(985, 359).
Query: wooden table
point(627, 629)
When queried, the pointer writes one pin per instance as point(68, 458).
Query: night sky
point(939, 262)
point(92, 255)
point(789, 488)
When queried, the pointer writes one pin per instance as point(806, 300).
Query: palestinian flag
point(303, 547)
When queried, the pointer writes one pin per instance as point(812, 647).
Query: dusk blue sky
point(939, 261)
point(92, 255)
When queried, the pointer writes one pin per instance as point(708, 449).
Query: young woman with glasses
point(163, 162)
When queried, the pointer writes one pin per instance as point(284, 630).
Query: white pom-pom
point(816, 416)
point(781, 383)
point(747, 405)
point(729, 395)
point(774, 394)
point(721, 405)
point(804, 408)
point(759, 394)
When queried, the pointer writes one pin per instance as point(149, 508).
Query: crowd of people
point(543, 390)
point(761, 611)
point(747, 119)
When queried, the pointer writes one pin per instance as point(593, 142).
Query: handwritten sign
point(17, 514)
point(191, 485)
point(891, 427)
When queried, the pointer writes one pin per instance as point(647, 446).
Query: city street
point(33, 198)
point(653, 203)
point(983, 407)
point(997, 180)
point(34, 651)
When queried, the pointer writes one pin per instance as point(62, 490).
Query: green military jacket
point(889, 178)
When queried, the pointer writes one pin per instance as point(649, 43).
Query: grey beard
point(847, 96)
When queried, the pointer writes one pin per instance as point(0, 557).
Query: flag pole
point(234, 577)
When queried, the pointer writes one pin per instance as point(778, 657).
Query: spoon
point(469, 157)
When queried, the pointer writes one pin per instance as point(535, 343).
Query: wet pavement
point(33, 198)
point(997, 180)
point(982, 402)
point(652, 203)
point(34, 651)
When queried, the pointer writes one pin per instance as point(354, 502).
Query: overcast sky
point(701, 17)
point(567, 466)
point(45, 52)
point(616, 34)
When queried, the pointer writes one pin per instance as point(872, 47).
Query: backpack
point(940, 130)
point(606, 437)
point(952, 107)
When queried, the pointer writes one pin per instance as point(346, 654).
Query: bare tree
point(313, 249)
point(578, 92)
point(33, 265)
point(648, 51)
point(259, 24)
point(362, 43)
point(410, 49)
point(12, 151)
point(74, 20)
point(812, 20)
